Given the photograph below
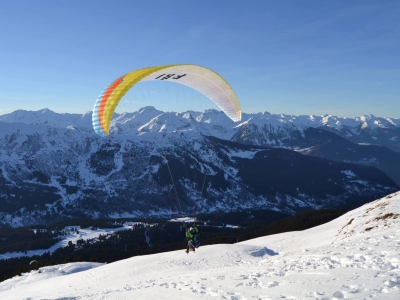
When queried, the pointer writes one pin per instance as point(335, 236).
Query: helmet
point(191, 230)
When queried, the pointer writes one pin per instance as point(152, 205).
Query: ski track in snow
point(356, 256)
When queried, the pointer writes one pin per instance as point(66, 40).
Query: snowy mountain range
point(54, 166)
point(262, 129)
point(355, 256)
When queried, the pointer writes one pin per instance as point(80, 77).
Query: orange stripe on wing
point(105, 97)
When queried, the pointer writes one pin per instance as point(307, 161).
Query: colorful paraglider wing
point(201, 79)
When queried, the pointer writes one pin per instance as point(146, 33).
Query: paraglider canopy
point(199, 78)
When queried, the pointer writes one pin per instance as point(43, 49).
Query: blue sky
point(292, 57)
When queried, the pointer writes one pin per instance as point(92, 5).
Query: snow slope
point(356, 256)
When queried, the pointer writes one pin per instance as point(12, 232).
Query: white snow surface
point(52, 271)
point(183, 220)
point(356, 256)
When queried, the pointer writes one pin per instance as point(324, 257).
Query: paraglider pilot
point(192, 238)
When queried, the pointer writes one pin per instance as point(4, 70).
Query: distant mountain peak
point(46, 110)
point(147, 109)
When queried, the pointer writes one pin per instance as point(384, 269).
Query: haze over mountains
point(54, 166)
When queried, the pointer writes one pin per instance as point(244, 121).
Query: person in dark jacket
point(192, 238)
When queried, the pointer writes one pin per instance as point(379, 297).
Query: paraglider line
point(170, 197)
point(204, 182)
point(173, 183)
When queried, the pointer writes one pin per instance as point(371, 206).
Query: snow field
point(356, 256)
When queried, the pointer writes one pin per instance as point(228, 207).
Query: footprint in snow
point(393, 282)
point(272, 284)
point(239, 284)
point(338, 295)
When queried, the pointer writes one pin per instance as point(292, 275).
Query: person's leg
point(196, 241)
point(191, 245)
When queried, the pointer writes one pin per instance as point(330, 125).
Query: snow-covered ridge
point(48, 117)
point(262, 129)
point(149, 119)
point(356, 256)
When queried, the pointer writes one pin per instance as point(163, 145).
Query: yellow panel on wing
point(129, 80)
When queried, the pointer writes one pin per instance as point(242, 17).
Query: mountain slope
point(48, 173)
point(355, 256)
point(288, 131)
point(331, 146)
